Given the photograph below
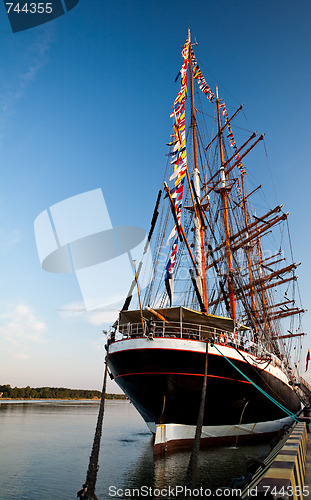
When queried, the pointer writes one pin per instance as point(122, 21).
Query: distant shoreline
point(53, 393)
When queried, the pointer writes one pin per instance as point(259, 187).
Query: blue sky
point(85, 103)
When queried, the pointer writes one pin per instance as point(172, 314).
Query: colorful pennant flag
point(178, 152)
point(178, 156)
point(198, 75)
point(169, 271)
point(308, 359)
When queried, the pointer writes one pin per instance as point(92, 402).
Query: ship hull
point(163, 378)
point(172, 437)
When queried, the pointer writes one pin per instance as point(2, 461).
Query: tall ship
point(221, 306)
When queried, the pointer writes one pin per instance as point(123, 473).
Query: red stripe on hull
point(183, 373)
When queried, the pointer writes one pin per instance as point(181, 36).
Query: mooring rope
point(88, 491)
point(285, 410)
point(193, 462)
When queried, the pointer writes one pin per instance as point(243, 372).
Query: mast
point(248, 250)
point(199, 230)
point(224, 190)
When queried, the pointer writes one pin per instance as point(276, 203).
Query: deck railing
point(176, 329)
point(193, 331)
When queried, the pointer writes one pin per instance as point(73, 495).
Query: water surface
point(45, 449)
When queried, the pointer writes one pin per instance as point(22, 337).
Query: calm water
point(45, 448)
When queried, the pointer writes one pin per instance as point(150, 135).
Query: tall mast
point(224, 196)
point(262, 291)
point(199, 232)
point(248, 249)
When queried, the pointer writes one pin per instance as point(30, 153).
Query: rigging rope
point(285, 410)
point(261, 369)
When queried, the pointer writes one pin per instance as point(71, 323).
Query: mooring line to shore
point(283, 408)
point(193, 462)
point(88, 491)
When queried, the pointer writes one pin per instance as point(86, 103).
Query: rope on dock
point(193, 462)
point(88, 491)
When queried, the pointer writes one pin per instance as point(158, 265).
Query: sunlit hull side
point(163, 378)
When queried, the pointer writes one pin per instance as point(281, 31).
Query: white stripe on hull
point(199, 347)
point(170, 436)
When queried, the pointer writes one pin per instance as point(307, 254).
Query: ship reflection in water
point(217, 467)
point(139, 470)
point(47, 447)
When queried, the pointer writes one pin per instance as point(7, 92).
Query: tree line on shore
point(6, 391)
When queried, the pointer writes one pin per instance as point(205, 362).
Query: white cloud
point(103, 317)
point(72, 310)
point(20, 326)
point(100, 317)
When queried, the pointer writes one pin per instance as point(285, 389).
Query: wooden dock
point(308, 467)
point(286, 472)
